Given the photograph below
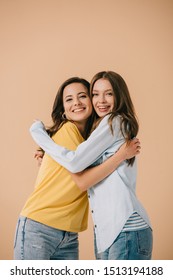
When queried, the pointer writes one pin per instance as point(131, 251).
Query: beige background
point(45, 42)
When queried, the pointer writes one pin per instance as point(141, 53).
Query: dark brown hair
point(123, 105)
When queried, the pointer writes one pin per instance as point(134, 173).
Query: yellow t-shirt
point(56, 200)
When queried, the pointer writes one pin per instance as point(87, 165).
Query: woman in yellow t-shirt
point(57, 209)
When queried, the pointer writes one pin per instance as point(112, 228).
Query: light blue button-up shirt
point(113, 200)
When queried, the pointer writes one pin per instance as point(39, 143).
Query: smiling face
point(77, 103)
point(103, 97)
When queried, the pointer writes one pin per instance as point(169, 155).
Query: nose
point(77, 101)
point(102, 98)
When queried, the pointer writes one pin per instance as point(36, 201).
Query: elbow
point(81, 183)
point(82, 187)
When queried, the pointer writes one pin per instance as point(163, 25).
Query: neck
point(81, 126)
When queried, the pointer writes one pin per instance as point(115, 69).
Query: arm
point(91, 176)
point(39, 156)
point(87, 152)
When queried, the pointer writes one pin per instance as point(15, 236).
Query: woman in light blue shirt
point(121, 224)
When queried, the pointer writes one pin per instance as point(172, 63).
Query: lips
point(78, 110)
point(103, 108)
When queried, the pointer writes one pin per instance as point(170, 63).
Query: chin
point(102, 114)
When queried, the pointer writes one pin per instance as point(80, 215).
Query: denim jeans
point(36, 241)
point(129, 245)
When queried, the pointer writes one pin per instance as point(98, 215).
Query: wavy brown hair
point(58, 107)
point(123, 105)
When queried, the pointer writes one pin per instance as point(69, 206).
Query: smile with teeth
point(103, 107)
point(78, 110)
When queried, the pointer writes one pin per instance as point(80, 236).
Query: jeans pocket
point(73, 236)
point(16, 233)
point(145, 241)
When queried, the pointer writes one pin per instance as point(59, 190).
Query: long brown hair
point(123, 105)
point(58, 107)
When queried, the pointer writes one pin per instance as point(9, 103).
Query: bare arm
point(91, 176)
point(39, 153)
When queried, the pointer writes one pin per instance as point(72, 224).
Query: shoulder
point(110, 125)
point(70, 127)
point(68, 135)
point(115, 120)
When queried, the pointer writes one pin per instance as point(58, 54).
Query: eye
point(68, 100)
point(83, 96)
point(94, 94)
point(110, 93)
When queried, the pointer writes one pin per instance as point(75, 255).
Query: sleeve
point(86, 153)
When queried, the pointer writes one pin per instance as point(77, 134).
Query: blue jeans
point(36, 241)
point(130, 245)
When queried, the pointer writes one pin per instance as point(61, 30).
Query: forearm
point(91, 176)
point(86, 153)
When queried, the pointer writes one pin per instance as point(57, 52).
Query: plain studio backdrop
point(44, 42)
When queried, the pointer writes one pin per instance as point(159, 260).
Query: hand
point(131, 149)
point(39, 156)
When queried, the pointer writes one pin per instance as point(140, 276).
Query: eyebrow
point(104, 90)
point(70, 95)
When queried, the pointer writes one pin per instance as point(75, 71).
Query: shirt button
point(95, 225)
point(92, 211)
point(88, 196)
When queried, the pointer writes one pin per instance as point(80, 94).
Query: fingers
point(38, 155)
point(39, 158)
point(135, 141)
point(134, 148)
point(39, 161)
point(138, 149)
